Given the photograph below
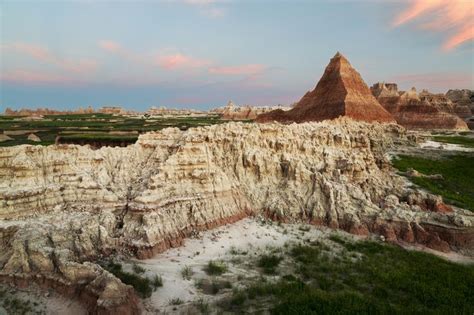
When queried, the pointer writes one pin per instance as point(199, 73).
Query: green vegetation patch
point(142, 285)
point(215, 268)
point(95, 127)
point(464, 141)
point(361, 278)
point(457, 185)
point(269, 263)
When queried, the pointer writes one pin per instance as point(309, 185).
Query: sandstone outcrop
point(341, 91)
point(63, 207)
point(246, 112)
point(462, 98)
point(46, 111)
point(418, 111)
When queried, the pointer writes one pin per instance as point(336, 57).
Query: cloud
point(176, 61)
point(110, 46)
point(454, 17)
point(214, 12)
point(208, 7)
point(199, 2)
point(28, 77)
point(250, 69)
point(44, 55)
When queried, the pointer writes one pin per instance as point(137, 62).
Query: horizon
point(66, 55)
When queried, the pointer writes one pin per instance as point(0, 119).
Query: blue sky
point(201, 53)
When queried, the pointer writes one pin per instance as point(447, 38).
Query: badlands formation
point(66, 207)
point(421, 111)
point(341, 91)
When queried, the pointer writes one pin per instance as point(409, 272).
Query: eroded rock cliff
point(419, 111)
point(65, 206)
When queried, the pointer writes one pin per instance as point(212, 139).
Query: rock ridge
point(64, 206)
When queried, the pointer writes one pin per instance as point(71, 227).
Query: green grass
point(457, 185)
point(77, 127)
point(99, 137)
point(464, 141)
point(384, 279)
point(15, 305)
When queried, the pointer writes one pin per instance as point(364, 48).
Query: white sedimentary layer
point(64, 205)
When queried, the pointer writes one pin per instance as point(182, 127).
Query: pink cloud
point(175, 61)
point(110, 46)
point(250, 69)
point(455, 17)
point(214, 12)
point(199, 2)
point(25, 76)
point(44, 55)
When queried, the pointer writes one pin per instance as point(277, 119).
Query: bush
point(175, 301)
point(269, 263)
point(215, 268)
point(138, 269)
point(187, 273)
point(142, 285)
point(157, 282)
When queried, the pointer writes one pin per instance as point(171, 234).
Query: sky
point(202, 53)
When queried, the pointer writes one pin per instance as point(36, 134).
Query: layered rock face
point(418, 111)
point(64, 207)
point(341, 91)
point(462, 98)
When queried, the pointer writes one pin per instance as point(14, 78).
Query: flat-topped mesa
point(341, 91)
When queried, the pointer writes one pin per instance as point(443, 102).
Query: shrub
point(175, 301)
point(269, 263)
point(187, 272)
point(142, 285)
point(215, 268)
point(157, 282)
point(138, 269)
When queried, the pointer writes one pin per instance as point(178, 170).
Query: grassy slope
point(366, 277)
point(457, 185)
point(464, 141)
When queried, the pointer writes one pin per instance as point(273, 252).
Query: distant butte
point(340, 92)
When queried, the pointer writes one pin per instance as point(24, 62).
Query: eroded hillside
point(64, 207)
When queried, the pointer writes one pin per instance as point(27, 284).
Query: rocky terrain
point(341, 91)
point(65, 207)
point(423, 110)
point(246, 112)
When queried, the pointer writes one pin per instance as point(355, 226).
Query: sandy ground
point(445, 146)
point(250, 235)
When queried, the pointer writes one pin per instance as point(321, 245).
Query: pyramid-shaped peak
point(339, 56)
point(341, 91)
